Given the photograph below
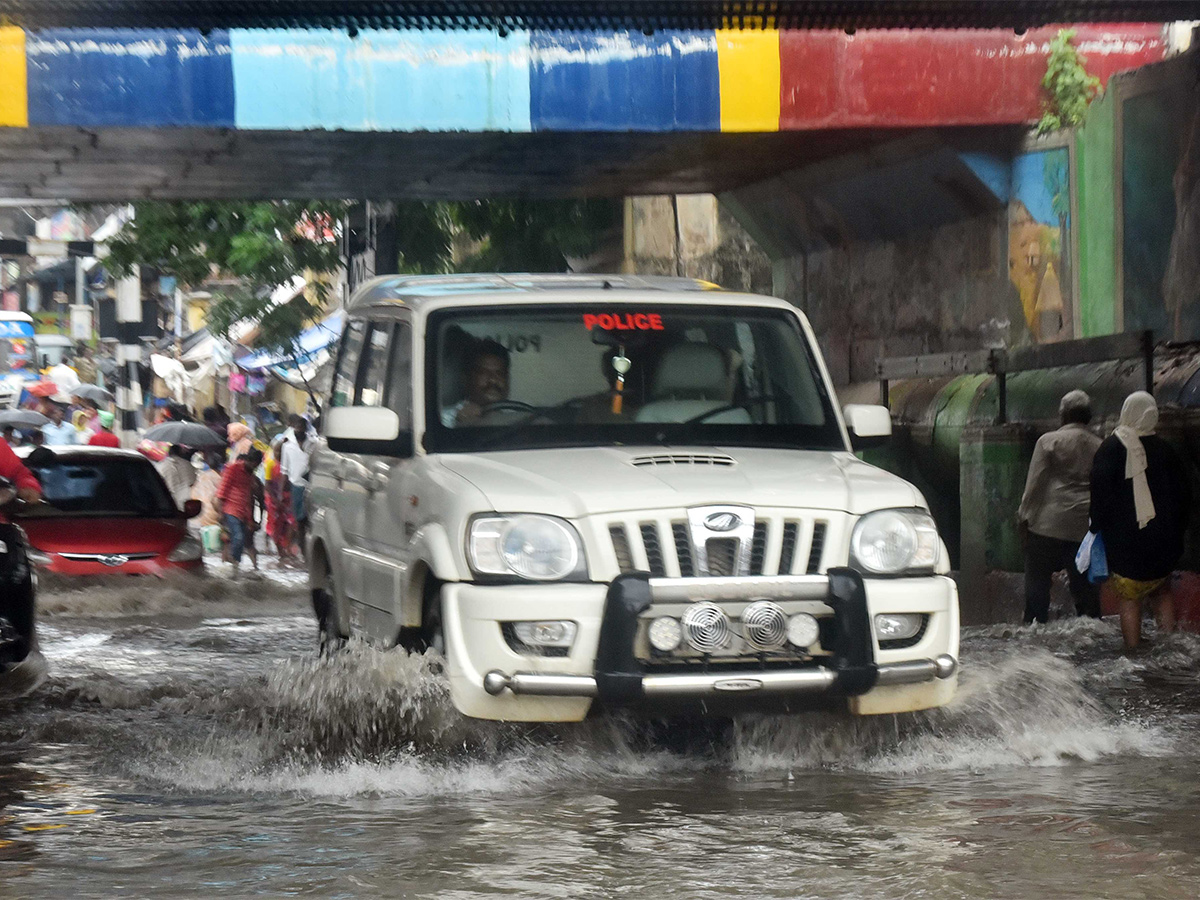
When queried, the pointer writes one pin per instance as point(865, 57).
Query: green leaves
point(1068, 85)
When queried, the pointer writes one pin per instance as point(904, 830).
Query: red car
point(109, 513)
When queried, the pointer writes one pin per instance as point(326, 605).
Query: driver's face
point(488, 382)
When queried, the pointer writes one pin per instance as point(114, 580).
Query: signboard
point(81, 322)
point(11, 329)
point(12, 301)
point(60, 297)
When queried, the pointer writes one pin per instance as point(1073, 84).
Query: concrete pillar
point(992, 469)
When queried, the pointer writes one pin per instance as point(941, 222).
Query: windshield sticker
point(623, 321)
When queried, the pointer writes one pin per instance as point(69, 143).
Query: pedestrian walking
point(235, 502)
point(294, 462)
point(1140, 504)
point(104, 436)
point(179, 473)
point(1053, 515)
point(59, 431)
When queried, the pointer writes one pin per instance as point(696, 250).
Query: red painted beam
point(829, 79)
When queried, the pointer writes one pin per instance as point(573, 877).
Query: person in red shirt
point(105, 437)
point(234, 501)
point(14, 470)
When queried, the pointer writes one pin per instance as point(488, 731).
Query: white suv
point(619, 491)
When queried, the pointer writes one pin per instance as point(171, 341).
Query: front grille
point(661, 544)
point(654, 556)
point(817, 548)
point(683, 549)
point(620, 542)
point(758, 549)
point(787, 553)
point(722, 556)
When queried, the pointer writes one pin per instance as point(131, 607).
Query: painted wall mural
point(474, 80)
point(1039, 258)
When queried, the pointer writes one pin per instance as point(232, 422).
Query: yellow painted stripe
point(14, 108)
point(749, 67)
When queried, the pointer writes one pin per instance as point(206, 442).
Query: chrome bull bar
point(804, 681)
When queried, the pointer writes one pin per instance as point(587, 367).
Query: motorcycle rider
point(16, 579)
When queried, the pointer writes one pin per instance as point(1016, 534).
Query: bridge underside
point(179, 163)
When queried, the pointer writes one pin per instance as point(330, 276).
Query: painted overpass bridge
point(124, 112)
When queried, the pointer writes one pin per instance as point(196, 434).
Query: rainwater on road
point(189, 743)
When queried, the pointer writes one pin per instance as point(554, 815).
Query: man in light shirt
point(58, 432)
point(293, 462)
point(1053, 516)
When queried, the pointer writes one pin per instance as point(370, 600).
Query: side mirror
point(869, 426)
point(370, 430)
point(191, 508)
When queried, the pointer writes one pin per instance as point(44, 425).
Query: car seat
point(691, 380)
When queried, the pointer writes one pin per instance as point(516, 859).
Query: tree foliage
point(1068, 86)
point(260, 246)
point(532, 235)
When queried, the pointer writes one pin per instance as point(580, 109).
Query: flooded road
point(189, 743)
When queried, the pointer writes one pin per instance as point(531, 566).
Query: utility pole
point(129, 353)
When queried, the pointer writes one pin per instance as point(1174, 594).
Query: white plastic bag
point(1083, 556)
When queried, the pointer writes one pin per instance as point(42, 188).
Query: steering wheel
point(507, 406)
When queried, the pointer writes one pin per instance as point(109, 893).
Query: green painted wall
point(1096, 194)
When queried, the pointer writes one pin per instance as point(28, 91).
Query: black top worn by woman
point(1143, 554)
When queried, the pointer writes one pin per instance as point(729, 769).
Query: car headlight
point(535, 548)
point(895, 542)
point(186, 550)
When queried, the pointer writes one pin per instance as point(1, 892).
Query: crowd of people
point(1112, 513)
point(246, 488)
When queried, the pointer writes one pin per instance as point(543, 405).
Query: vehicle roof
point(54, 340)
point(426, 292)
point(83, 451)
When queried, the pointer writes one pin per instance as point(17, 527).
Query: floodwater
point(189, 743)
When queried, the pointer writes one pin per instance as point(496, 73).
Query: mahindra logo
point(114, 560)
point(722, 521)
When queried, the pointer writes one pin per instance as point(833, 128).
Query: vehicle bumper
point(158, 566)
point(491, 680)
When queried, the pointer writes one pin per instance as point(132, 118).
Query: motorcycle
point(22, 666)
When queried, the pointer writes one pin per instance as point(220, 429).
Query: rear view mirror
point(371, 430)
point(191, 509)
point(869, 426)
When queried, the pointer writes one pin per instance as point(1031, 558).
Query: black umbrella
point(22, 418)
point(190, 434)
point(92, 392)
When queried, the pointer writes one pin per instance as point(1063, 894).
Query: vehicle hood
point(577, 482)
point(102, 534)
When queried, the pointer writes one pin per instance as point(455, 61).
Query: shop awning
point(313, 351)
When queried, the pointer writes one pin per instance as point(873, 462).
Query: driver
point(487, 383)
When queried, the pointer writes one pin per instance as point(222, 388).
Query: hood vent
point(683, 459)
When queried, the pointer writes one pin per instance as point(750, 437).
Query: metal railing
point(1002, 363)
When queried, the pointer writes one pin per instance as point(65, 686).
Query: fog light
point(898, 626)
point(545, 634)
point(665, 634)
point(802, 630)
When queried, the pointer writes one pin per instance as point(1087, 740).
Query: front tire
point(329, 637)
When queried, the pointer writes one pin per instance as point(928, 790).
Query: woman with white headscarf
point(1140, 503)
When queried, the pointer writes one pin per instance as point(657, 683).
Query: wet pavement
point(189, 742)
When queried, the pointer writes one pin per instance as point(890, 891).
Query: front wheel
point(324, 598)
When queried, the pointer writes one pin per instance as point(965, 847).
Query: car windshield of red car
point(124, 487)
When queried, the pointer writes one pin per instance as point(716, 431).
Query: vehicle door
point(375, 568)
point(388, 510)
point(343, 511)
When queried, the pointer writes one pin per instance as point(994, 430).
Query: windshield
point(123, 487)
point(579, 375)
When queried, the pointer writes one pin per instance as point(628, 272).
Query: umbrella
point(92, 392)
point(44, 389)
point(22, 418)
point(190, 434)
